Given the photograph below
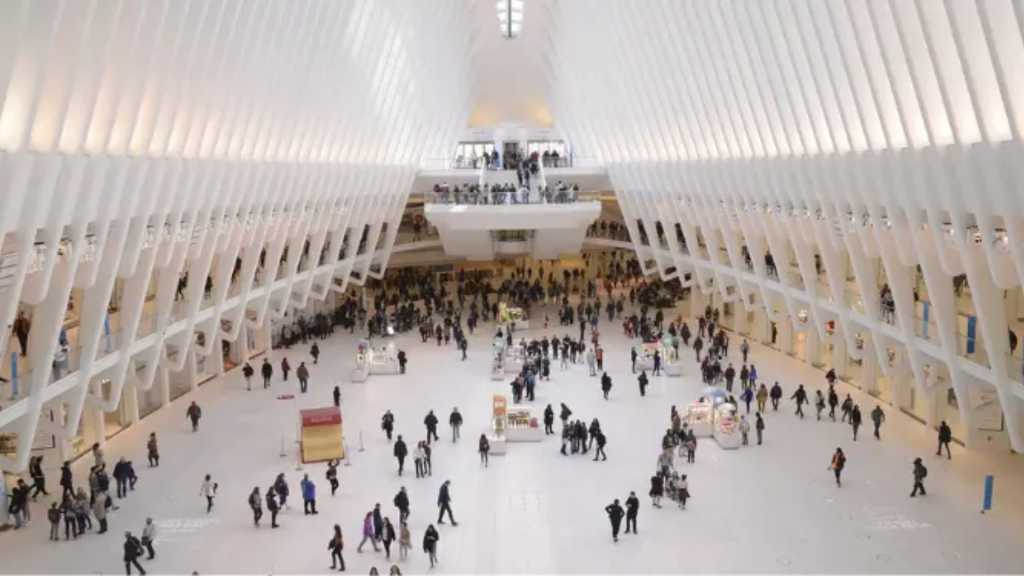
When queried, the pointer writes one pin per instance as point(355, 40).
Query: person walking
point(256, 505)
point(615, 514)
point(455, 421)
point(132, 552)
point(378, 522)
point(431, 423)
point(336, 545)
point(404, 541)
point(149, 537)
point(387, 536)
point(368, 535)
point(302, 373)
point(193, 414)
point(606, 384)
point(35, 471)
point(642, 381)
point(837, 465)
point(920, 473)
point(549, 420)
point(332, 475)
point(152, 451)
point(247, 373)
point(819, 404)
point(444, 503)
point(800, 396)
point(759, 427)
point(657, 489)
point(632, 358)
point(266, 370)
point(400, 451)
point(308, 489)
point(855, 420)
point(762, 398)
point(682, 491)
point(632, 509)
point(208, 490)
point(945, 437)
point(601, 440)
point(430, 540)
point(401, 502)
point(833, 401)
point(485, 450)
point(286, 367)
point(273, 506)
point(691, 447)
point(744, 430)
point(418, 457)
point(776, 396)
point(337, 396)
point(387, 424)
point(877, 418)
point(314, 351)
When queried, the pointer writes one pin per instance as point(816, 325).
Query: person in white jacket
point(148, 537)
point(208, 490)
point(744, 429)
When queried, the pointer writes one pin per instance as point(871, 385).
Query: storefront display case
point(699, 417)
point(374, 360)
point(508, 315)
point(521, 425)
point(726, 427)
point(645, 357)
point(514, 358)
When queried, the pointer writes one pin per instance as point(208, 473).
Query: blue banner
point(924, 315)
point(106, 331)
point(972, 333)
point(14, 374)
point(986, 504)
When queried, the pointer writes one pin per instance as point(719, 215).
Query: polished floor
point(772, 508)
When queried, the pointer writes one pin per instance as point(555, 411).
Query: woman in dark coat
point(657, 489)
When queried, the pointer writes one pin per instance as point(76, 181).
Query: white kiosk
point(515, 356)
point(726, 428)
point(370, 360)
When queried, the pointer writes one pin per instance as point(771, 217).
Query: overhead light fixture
point(510, 17)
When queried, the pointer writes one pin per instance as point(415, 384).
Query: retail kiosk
point(670, 363)
point(322, 437)
point(645, 356)
point(726, 428)
point(374, 360)
point(512, 316)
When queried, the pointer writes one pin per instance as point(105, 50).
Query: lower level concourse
point(773, 507)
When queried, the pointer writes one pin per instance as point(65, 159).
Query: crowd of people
point(496, 194)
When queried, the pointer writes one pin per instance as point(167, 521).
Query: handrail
point(533, 198)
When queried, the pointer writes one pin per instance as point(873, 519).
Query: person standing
point(99, 510)
point(632, 358)
point(193, 414)
point(920, 473)
point(759, 427)
point(657, 489)
point(208, 490)
point(837, 465)
point(744, 430)
point(444, 503)
point(314, 351)
point(149, 537)
point(256, 505)
point(430, 540)
point(336, 545)
point(368, 533)
point(615, 514)
point(431, 423)
point(387, 536)
point(833, 401)
point(21, 327)
point(332, 475)
point(485, 450)
point(286, 367)
point(776, 395)
point(606, 384)
point(308, 489)
point(691, 447)
point(762, 398)
point(401, 502)
point(53, 515)
point(302, 373)
point(632, 509)
point(455, 421)
point(272, 506)
point(400, 451)
point(132, 552)
point(266, 370)
point(945, 437)
point(67, 479)
point(378, 522)
point(152, 451)
point(337, 396)
point(877, 418)
point(642, 381)
point(549, 420)
point(819, 404)
point(682, 491)
point(418, 457)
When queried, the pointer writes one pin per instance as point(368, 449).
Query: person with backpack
point(837, 464)
point(247, 373)
point(401, 502)
point(920, 473)
point(336, 545)
point(132, 552)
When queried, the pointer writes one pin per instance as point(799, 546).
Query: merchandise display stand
point(726, 430)
point(322, 437)
point(699, 417)
point(508, 315)
point(514, 358)
point(674, 369)
point(522, 426)
point(497, 439)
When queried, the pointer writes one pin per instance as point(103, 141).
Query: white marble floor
point(762, 509)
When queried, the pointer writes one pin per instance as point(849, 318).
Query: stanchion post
point(361, 449)
point(283, 454)
point(348, 455)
